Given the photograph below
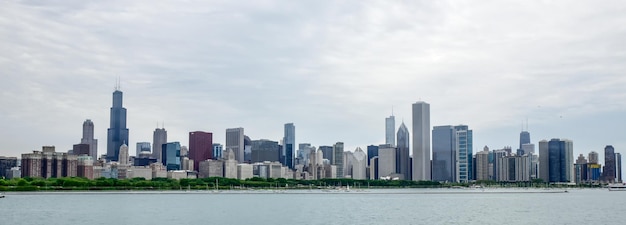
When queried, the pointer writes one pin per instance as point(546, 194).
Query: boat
point(1, 195)
point(617, 187)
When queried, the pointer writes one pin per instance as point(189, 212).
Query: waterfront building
point(386, 161)
point(235, 140)
point(171, 156)
point(48, 164)
point(482, 164)
point(609, 172)
point(265, 150)
point(559, 159)
point(372, 151)
point(390, 129)
point(359, 164)
point(159, 137)
point(338, 158)
point(218, 150)
point(514, 168)
point(544, 160)
point(289, 144)
point(464, 150)
point(117, 134)
point(88, 138)
point(444, 163)
point(244, 171)
point(200, 147)
point(496, 163)
point(421, 141)
point(230, 164)
point(403, 168)
point(143, 147)
point(211, 168)
point(6, 163)
point(618, 167)
point(84, 166)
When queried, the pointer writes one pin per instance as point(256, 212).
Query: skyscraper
point(421, 141)
point(200, 147)
point(235, 141)
point(289, 143)
point(560, 160)
point(338, 158)
point(117, 133)
point(265, 150)
point(88, 139)
point(390, 129)
point(159, 137)
point(618, 167)
point(464, 146)
point(327, 152)
point(402, 156)
point(444, 154)
point(609, 171)
point(544, 160)
point(171, 155)
point(594, 157)
point(372, 151)
point(524, 138)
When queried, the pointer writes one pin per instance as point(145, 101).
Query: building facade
point(235, 139)
point(117, 134)
point(390, 129)
point(88, 138)
point(289, 144)
point(159, 137)
point(200, 147)
point(403, 168)
point(421, 141)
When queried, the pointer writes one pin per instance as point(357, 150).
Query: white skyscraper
point(421, 141)
point(235, 141)
point(390, 129)
point(359, 165)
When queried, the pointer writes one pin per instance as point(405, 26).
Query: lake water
point(398, 206)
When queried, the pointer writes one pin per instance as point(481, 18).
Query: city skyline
point(200, 93)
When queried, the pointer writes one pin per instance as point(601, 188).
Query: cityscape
point(441, 153)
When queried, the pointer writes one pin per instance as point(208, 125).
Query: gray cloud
point(335, 69)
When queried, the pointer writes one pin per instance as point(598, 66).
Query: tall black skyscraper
point(609, 172)
point(117, 133)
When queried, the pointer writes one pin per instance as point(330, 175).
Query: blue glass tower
point(171, 155)
point(289, 142)
point(117, 133)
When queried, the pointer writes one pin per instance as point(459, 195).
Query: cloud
point(335, 69)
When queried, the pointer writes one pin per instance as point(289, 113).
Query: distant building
point(421, 141)
point(235, 140)
point(230, 164)
point(159, 137)
point(390, 129)
point(609, 173)
point(514, 168)
point(359, 165)
point(327, 152)
point(386, 161)
point(6, 163)
point(618, 167)
point(244, 171)
point(218, 150)
point(594, 157)
point(123, 155)
point(84, 167)
point(444, 154)
point(556, 160)
point(171, 156)
point(200, 147)
point(247, 150)
point(211, 168)
point(265, 150)
point(524, 138)
point(482, 164)
point(372, 151)
point(338, 158)
point(289, 144)
point(48, 164)
point(143, 147)
point(118, 132)
point(88, 138)
point(403, 153)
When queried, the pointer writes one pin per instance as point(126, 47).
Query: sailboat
point(1, 195)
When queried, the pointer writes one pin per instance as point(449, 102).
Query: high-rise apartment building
point(390, 129)
point(464, 149)
point(159, 137)
point(421, 141)
point(200, 147)
point(556, 160)
point(118, 132)
point(235, 140)
point(289, 143)
point(403, 153)
point(482, 165)
point(88, 138)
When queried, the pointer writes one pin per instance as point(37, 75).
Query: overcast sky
point(333, 68)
